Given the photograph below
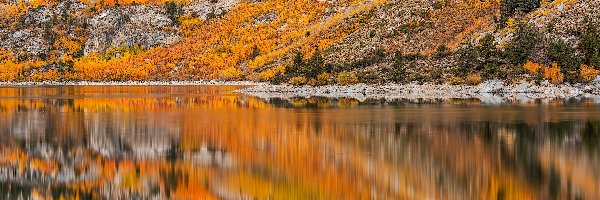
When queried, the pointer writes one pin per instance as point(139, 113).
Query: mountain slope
point(257, 40)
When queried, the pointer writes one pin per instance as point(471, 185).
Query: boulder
point(491, 87)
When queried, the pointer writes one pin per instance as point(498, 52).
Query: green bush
point(487, 48)
point(277, 79)
point(255, 52)
point(436, 75)
point(442, 51)
point(476, 58)
point(508, 8)
point(490, 71)
point(370, 77)
point(376, 57)
point(174, 11)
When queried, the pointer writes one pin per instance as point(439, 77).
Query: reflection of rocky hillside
point(154, 145)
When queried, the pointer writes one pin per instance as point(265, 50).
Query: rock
point(209, 9)
point(492, 86)
point(526, 88)
point(545, 83)
point(142, 25)
point(490, 98)
point(596, 80)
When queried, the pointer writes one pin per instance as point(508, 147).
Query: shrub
point(347, 78)
point(298, 81)
point(255, 52)
point(456, 80)
point(564, 55)
point(474, 58)
point(369, 77)
point(277, 79)
point(523, 44)
point(323, 79)
point(554, 74)
point(376, 57)
point(174, 11)
point(473, 79)
point(442, 51)
point(435, 75)
point(509, 8)
point(533, 67)
point(490, 71)
point(588, 73)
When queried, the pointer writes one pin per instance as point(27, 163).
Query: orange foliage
point(533, 67)
point(460, 19)
point(215, 48)
point(589, 73)
point(552, 73)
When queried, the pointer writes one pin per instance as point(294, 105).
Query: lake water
point(204, 142)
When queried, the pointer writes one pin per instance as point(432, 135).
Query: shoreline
point(130, 83)
point(492, 92)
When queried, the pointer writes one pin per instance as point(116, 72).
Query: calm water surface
point(205, 142)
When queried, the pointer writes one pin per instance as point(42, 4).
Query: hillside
point(300, 41)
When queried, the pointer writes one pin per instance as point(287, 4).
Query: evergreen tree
point(398, 68)
point(589, 45)
point(521, 47)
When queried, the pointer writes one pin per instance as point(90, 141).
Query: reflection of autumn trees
point(192, 142)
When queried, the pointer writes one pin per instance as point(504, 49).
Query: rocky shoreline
point(133, 83)
point(488, 92)
point(492, 92)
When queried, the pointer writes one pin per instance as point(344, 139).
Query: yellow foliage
point(298, 81)
point(511, 22)
point(553, 74)
point(347, 78)
point(473, 79)
point(589, 73)
point(270, 73)
point(231, 73)
point(323, 79)
point(456, 81)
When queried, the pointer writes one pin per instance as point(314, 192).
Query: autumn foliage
point(552, 73)
point(588, 73)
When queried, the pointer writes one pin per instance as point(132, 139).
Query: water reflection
point(191, 142)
